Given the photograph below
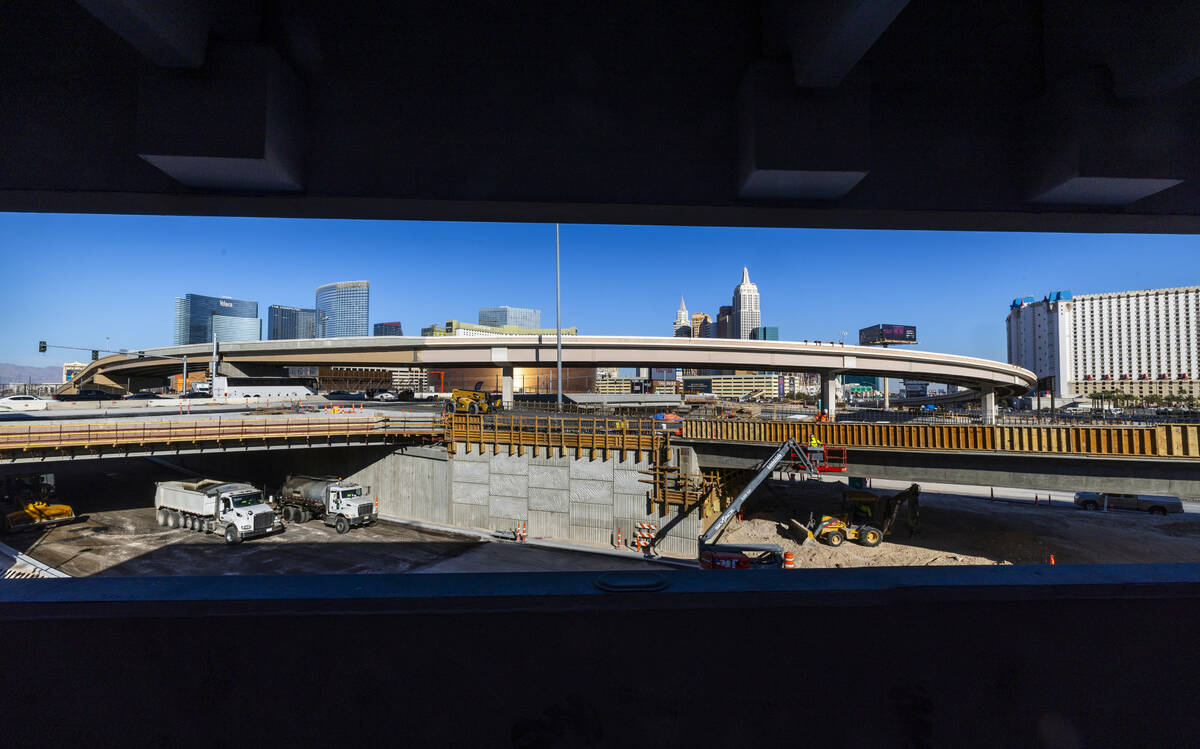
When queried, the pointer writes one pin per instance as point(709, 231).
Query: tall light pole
point(558, 315)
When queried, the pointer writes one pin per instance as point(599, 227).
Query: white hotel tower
point(1144, 343)
point(745, 308)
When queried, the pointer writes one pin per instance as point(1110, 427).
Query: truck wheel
point(161, 516)
point(450, 406)
point(287, 514)
point(1090, 505)
point(305, 516)
point(232, 536)
point(870, 536)
point(834, 538)
point(341, 524)
point(473, 408)
point(172, 519)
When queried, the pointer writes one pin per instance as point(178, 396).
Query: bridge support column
point(987, 397)
point(829, 394)
point(506, 387)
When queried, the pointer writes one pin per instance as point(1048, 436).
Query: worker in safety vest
point(814, 442)
point(863, 512)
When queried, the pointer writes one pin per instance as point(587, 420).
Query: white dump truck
point(209, 506)
point(341, 504)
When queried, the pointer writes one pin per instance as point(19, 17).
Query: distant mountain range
point(19, 373)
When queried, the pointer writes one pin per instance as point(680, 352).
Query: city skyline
point(955, 286)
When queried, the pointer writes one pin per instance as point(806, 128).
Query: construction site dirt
point(964, 529)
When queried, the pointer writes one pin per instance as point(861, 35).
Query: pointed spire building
point(683, 323)
point(746, 316)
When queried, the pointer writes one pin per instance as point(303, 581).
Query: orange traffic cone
point(789, 560)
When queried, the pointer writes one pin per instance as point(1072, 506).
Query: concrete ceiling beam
point(801, 145)
point(1093, 149)
point(827, 38)
point(237, 124)
point(169, 33)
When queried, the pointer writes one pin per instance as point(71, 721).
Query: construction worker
point(863, 512)
point(824, 417)
point(816, 450)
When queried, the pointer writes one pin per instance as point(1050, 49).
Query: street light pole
point(558, 315)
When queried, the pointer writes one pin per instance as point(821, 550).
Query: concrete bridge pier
point(829, 393)
point(987, 397)
point(506, 387)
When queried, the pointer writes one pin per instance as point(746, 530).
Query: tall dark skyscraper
point(202, 319)
point(284, 323)
point(725, 322)
point(343, 309)
point(388, 328)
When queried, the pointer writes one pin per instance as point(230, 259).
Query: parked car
point(88, 395)
point(196, 394)
point(22, 403)
point(1153, 504)
point(386, 395)
point(141, 397)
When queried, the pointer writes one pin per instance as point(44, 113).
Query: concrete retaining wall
point(557, 496)
point(560, 497)
point(413, 483)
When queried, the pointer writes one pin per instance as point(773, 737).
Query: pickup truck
point(1155, 505)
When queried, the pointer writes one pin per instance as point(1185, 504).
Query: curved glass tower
point(342, 309)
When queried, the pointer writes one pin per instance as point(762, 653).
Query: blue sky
point(77, 279)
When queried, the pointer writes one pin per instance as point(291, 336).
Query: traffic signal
point(95, 354)
point(41, 347)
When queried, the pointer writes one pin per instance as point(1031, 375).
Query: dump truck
point(475, 401)
point(340, 504)
point(209, 506)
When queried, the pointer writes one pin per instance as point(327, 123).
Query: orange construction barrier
point(789, 560)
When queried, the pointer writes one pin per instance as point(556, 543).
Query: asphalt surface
point(130, 543)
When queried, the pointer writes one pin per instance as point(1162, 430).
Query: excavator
point(475, 401)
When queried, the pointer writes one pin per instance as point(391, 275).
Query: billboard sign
point(883, 333)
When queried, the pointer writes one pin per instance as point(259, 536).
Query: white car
point(22, 403)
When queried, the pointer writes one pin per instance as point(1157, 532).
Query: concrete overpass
point(828, 359)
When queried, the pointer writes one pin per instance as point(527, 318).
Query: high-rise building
point(1144, 343)
point(683, 325)
point(343, 309)
point(745, 307)
point(702, 325)
point(388, 328)
point(202, 319)
point(456, 328)
point(498, 317)
point(765, 333)
point(916, 388)
point(725, 322)
point(286, 323)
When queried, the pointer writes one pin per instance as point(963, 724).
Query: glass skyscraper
point(285, 323)
point(199, 318)
point(343, 308)
point(518, 316)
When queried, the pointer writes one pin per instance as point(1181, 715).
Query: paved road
point(130, 543)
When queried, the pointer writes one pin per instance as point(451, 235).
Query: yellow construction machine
point(475, 401)
point(28, 502)
point(866, 518)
